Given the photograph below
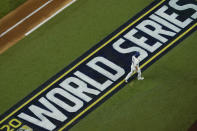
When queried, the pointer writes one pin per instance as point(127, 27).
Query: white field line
point(21, 21)
point(60, 10)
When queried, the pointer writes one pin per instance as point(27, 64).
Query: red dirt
point(193, 127)
point(16, 34)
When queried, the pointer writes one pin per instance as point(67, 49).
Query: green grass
point(164, 101)
point(7, 6)
point(44, 53)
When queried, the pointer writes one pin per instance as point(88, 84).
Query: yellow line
point(107, 93)
point(124, 80)
point(119, 82)
point(80, 62)
point(168, 45)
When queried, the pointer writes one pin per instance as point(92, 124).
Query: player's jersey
point(135, 61)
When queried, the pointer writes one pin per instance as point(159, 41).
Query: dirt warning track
point(27, 18)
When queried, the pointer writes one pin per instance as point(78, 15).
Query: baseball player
point(135, 67)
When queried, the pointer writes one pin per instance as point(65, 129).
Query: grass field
point(9, 5)
point(164, 101)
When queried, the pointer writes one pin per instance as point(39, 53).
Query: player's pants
point(137, 69)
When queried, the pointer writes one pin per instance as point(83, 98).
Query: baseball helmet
point(137, 54)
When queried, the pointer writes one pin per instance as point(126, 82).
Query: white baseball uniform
point(134, 67)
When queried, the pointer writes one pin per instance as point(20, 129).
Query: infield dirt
point(15, 33)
